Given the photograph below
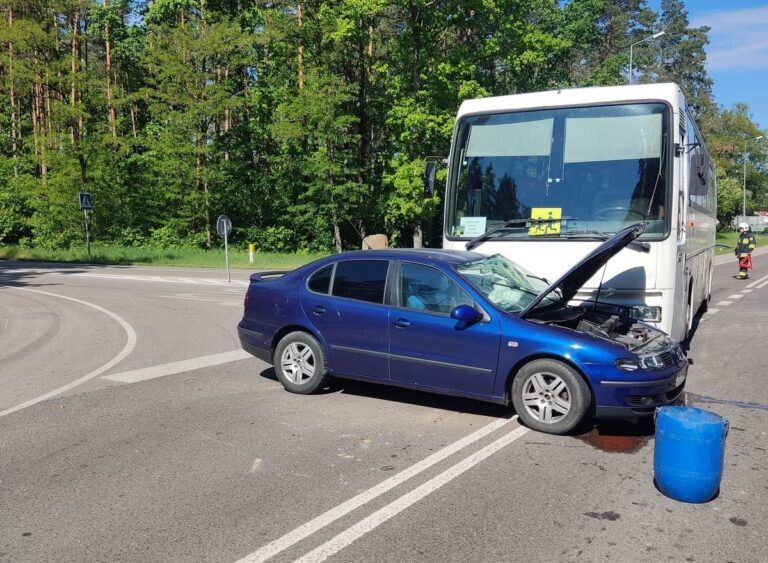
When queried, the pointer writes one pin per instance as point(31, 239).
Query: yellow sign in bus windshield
point(545, 228)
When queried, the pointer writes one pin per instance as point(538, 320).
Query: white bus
point(542, 178)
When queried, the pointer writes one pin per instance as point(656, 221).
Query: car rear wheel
point(550, 396)
point(300, 363)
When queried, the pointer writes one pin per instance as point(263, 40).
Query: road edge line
point(127, 349)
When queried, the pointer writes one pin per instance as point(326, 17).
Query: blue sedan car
point(463, 323)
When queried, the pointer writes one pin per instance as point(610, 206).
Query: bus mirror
point(430, 168)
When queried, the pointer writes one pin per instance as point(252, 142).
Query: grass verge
point(195, 257)
point(188, 257)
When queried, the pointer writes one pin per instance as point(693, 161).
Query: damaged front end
point(651, 373)
point(623, 330)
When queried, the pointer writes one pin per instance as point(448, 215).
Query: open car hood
point(570, 282)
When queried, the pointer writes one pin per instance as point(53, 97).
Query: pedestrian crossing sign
point(86, 201)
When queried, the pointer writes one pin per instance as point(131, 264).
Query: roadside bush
point(174, 235)
point(130, 237)
point(272, 239)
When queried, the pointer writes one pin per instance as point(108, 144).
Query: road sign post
point(224, 227)
point(86, 203)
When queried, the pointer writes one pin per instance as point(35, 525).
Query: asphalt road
point(132, 428)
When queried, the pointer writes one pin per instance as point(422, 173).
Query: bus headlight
point(647, 313)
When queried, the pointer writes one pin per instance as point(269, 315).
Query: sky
point(737, 54)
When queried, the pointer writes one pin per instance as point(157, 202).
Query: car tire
point(550, 396)
point(300, 363)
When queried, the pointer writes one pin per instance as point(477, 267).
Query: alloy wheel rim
point(546, 397)
point(298, 363)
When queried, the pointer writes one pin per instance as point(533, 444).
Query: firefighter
point(744, 247)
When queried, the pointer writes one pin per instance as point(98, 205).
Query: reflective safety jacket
point(745, 244)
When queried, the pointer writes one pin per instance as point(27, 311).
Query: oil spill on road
point(614, 444)
point(618, 436)
point(691, 398)
point(737, 521)
point(609, 515)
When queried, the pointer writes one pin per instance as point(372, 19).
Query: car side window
point(428, 289)
point(320, 281)
point(363, 280)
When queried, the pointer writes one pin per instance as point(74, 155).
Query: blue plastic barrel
point(688, 454)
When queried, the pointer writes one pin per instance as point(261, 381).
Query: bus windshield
point(599, 168)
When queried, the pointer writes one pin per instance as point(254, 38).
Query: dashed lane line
point(735, 296)
point(711, 311)
point(723, 303)
point(746, 291)
point(127, 349)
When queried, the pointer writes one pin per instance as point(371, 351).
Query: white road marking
point(172, 368)
point(309, 528)
point(735, 296)
point(746, 291)
point(211, 298)
point(762, 285)
point(355, 532)
point(723, 303)
point(712, 311)
point(127, 349)
point(754, 283)
point(165, 279)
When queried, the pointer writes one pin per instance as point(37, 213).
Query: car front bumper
point(631, 399)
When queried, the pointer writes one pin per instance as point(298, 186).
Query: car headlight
point(652, 362)
point(646, 313)
point(649, 361)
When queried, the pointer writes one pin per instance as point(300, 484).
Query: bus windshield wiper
point(514, 223)
point(599, 235)
point(591, 233)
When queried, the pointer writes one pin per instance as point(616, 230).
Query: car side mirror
point(466, 313)
point(430, 168)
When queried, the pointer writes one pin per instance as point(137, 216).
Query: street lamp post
point(744, 181)
point(654, 36)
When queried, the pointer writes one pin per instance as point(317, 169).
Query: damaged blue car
point(467, 324)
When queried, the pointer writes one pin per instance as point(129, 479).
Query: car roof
point(419, 254)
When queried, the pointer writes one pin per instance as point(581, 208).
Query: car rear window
point(363, 280)
point(320, 281)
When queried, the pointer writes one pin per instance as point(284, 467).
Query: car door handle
point(318, 309)
point(402, 323)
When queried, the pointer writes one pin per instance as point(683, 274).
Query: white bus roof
point(572, 97)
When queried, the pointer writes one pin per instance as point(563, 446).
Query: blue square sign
point(86, 201)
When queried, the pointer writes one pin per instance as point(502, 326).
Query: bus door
point(679, 327)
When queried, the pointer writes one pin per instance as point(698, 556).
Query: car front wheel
point(300, 363)
point(550, 396)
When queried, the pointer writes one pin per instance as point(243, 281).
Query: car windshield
point(598, 168)
point(507, 285)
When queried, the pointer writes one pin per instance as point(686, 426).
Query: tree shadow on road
point(23, 274)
